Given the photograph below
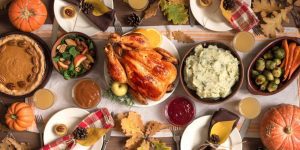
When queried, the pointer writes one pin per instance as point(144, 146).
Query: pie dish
point(22, 65)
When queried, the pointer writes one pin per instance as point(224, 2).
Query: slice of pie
point(22, 65)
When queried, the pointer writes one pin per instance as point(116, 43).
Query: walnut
point(21, 84)
point(10, 86)
point(12, 43)
point(62, 48)
point(22, 44)
point(77, 69)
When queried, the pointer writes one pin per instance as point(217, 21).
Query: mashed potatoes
point(211, 71)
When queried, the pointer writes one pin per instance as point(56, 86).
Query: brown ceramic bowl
point(235, 87)
point(58, 42)
point(250, 82)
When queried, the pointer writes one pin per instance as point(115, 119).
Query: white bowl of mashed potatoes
point(211, 72)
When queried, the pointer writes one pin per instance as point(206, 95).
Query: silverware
point(176, 132)
point(106, 137)
point(244, 128)
point(118, 26)
point(55, 28)
point(191, 17)
point(40, 126)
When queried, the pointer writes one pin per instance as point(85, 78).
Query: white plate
point(196, 133)
point(211, 17)
point(83, 24)
point(170, 47)
point(70, 117)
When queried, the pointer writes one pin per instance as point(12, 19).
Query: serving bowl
point(234, 88)
point(251, 86)
point(59, 42)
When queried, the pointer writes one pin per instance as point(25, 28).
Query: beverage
point(249, 107)
point(138, 5)
point(243, 41)
point(43, 99)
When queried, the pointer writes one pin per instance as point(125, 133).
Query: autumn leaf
point(182, 37)
point(152, 10)
point(132, 124)
point(264, 5)
point(177, 13)
point(134, 141)
point(158, 145)
point(153, 127)
point(144, 146)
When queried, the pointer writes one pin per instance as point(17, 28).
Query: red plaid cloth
point(99, 119)
point(243, 18)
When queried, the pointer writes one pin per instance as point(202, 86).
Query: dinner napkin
point(221, 125)
point(101, 15)
point(243, 18)
point(98, 119)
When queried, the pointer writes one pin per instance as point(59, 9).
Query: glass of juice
point(249, 107)
point(43, 99)
point(243, 41)
point(138, 5)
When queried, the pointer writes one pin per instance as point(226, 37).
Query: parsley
point(66, 75)
point(66, 55)
point(126, 99)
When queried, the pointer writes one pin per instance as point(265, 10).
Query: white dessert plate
point(196, 134)
point(83, 24)
point(70, 117)
point(211, 17)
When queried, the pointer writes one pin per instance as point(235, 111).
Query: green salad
point(75, 55)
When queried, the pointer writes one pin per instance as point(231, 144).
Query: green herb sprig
point(126, 99)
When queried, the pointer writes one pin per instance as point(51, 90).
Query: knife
point(107, 136)
point(244, 128)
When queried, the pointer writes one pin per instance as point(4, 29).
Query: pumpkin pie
point(22, 65)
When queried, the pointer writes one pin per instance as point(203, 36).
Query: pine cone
point(133, 20)
point(228, 4)
point(86, 8)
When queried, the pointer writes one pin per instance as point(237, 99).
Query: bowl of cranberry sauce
point(180, 111)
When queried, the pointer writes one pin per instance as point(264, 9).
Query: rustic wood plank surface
point(123, 10)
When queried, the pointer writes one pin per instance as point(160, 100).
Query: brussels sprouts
point(277, 61)
point(254, 73)
point(275, 48)
point(268, 55)
point(268, 75)
point(260, 79)
point(260, 64)
point(277, 81)
point(263, 87)
point(272, 87)
point(277, 72)
point(270, 64)
point(279, 53)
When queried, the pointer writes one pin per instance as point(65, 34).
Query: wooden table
point(115, 143)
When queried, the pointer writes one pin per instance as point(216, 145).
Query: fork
point(40, 126)
point(118, 26)
point(176, 132)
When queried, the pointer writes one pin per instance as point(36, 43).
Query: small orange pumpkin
point(27, 15)
point(19, 116)
point(280, 128)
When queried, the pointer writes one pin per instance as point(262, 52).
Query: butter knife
point(244, 128)
point(106, 137)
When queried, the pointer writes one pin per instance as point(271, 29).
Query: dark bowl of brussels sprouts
point(266, 72)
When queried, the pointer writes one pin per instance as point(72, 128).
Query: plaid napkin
point(99, 119)
point(243, 18)
point(101, 15)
